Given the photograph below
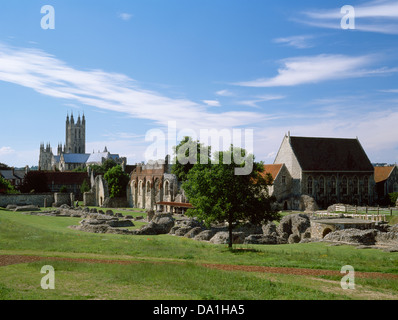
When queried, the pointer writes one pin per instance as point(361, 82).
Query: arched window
point(322, 185)
point(140, 188)
point(334, 189)
point(366, 185)
point(355, 186)
point(310, 183)
point(148, 186)
point(166, 188)
point(344, 186)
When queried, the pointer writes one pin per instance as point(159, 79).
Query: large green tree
point(219, 194)
point(117, 181)
point(6, 186)
point(186, 154)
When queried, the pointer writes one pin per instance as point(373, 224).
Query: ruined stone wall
point(27, 199)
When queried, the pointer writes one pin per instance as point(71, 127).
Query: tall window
point(334, 189)
point(322, 185)
point(310, 183)
point(166, 188)
point(366, 185)
point(344, 186)
point(395, 187)
point(355, 186)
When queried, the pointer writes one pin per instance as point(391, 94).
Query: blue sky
point(134, 66)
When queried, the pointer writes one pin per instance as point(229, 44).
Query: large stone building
point(330, 170)
point(152, 186)
point(73, 154)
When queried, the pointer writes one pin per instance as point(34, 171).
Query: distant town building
point(73, 154)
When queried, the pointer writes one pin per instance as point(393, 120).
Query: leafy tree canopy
point(6, 186)
point(117, 181)
point(218, 194)
point(186, 154)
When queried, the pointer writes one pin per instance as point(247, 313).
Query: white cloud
point(375, 16)
point(212, 103)
point(300, 42)
point(6, 151)
point(125, 16)
point(254, 102)
point(49, 76)
point(225, 93)
point(314, 69)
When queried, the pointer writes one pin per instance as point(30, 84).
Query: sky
point(139, 68)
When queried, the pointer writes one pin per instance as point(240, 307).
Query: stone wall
point(27, 199)
point(320, 228)
point(89, 199)
point(62, 198)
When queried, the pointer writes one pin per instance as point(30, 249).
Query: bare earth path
point(6, 260)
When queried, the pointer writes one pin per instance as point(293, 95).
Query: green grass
point(50, 236)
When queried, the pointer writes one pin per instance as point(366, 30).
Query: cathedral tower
point(75, 135)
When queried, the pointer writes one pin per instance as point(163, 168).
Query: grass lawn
point(171, 267)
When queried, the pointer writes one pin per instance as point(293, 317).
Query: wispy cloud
point(52, 77)
point(314, 69)
point(125, 16)
point(6, 151)
point(376, 16)
point(255, 101)
point(299, 42)
point(212, 103)
point(225, 93)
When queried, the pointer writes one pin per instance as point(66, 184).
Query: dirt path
point(6, 260)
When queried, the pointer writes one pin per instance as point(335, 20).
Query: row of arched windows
point(166, 187)
point(344, 186)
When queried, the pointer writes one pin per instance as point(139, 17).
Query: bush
point(393, 198)
point(63, 189)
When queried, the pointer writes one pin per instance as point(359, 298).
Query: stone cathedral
point(73, 154)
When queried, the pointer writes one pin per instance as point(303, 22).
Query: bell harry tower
point(75, 135)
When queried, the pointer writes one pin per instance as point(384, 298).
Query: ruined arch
point(326, 231)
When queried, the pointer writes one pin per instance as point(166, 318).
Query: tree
point(102, 169)
point(218, 194)
point(35, 181)
point(187, 153)
point(3, 166)
point(6, 186)
point(117, 181)
point(85, 187)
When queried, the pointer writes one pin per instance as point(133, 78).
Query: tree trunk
point(230, 230)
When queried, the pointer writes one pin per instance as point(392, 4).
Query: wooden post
point(366, 209)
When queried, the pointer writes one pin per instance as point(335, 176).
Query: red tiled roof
point(273, 169)
point(382, 173)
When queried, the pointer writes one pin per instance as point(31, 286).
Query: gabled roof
point(382, 173)
point(330, 154)
point(8, 175)
point(273, 169)
point(75, 157)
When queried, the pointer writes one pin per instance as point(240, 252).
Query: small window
point(284, 180)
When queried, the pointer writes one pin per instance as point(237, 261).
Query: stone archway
point(326, 231)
